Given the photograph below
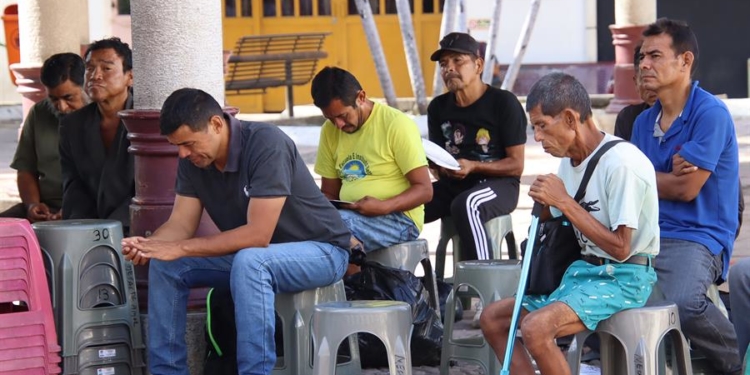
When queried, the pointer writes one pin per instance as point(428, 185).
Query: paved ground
point(536, 163)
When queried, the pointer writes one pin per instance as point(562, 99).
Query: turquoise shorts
point(597, 292)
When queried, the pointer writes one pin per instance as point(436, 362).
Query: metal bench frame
point(259, 62)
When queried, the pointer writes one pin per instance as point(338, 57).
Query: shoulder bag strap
point(591, 166)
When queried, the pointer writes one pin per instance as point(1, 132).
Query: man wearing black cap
point(484, 129)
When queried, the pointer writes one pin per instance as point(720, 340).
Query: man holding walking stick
point(616, 224)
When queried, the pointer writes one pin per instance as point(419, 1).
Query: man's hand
point(548, 190)
point(680, 166)
point(467, 166)
point(38, 212)
point(131, 253)
point(436, 171)
point(369, 206)
point(156, 249)
point(56, 216)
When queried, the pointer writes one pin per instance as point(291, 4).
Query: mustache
point(452, 75)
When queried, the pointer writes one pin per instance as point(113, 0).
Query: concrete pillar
point(176, 44)
point(46, 27)
point(631, 18)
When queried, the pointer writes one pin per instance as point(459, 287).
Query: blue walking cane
point(535, 213)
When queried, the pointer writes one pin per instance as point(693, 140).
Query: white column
point(635, 12)
point(46, 27)
point(100, 16)
point(631, 18)
point(176, 44)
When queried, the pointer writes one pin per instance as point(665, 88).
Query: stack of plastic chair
point(28, 342)
point(94, 297)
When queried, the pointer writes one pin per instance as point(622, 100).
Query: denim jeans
point(255, 275)
point(685, 270)
point(739, 301)
point(377, 232)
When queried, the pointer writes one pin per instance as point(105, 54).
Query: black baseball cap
point(457, 42)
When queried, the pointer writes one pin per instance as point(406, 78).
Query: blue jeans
point(685, 270)
point(254, 275)
point(739, 298)
point(377, 232)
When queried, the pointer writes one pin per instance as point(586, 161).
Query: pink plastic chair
point(28, 341)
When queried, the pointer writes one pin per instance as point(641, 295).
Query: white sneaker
point(477, 313)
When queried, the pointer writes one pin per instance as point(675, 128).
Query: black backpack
point(221, 334)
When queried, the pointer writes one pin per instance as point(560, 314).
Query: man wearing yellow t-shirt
point(371, 155)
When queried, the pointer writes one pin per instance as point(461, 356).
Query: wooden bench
point(262, 61)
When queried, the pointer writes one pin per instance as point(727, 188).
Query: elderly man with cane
point(615, 223)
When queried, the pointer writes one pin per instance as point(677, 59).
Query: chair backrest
point(261, 61)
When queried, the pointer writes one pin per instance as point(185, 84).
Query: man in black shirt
point(626, 117)
point(97, 170)
point(484, 128)
point(279, 234)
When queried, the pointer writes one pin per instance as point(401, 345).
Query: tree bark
point(491, 43)
point(523, 42)
point(376, 49)
point(447, 26)
point(412, 55)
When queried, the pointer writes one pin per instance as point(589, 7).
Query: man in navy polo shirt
point(279, 234)
point(690, 138)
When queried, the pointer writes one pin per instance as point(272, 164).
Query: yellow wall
point(346, 45)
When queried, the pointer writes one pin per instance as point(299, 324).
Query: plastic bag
point(221, 334)
point(444, 289)
point(377, 282)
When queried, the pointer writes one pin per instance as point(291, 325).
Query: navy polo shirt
point(704, 135)
point(263, 162)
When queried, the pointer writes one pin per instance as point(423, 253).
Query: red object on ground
point(28, 341)
point(12, 38)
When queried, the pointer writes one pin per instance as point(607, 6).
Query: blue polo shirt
point(263, 162)
point(704, 135)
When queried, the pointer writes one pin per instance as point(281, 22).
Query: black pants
point(471, 204)
point(17, 210)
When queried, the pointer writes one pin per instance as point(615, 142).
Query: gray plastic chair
point(406, 256)
point(630, 342)
point(93, 296)
point(390, 321)
point(296, 312)
point(490, 280)
point(498, 228)
point(713, 294)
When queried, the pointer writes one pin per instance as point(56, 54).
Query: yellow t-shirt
point(374, 160)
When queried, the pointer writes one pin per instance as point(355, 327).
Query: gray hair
point(557, 91)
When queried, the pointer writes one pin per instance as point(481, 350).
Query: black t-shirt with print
point(480, 131)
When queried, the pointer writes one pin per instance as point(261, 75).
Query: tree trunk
point(412, 55)
point(447, 26)
point(489, 53)
point(461, 22)
point(376, 49)
point(523, 42)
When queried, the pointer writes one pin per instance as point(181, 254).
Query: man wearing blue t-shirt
point(690, 138)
